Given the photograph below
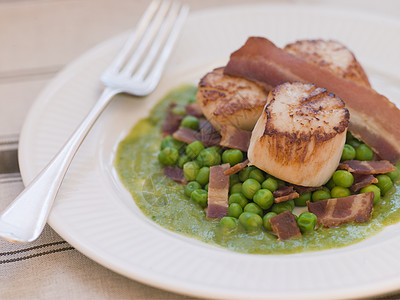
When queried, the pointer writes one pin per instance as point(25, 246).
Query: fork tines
point(143, 56)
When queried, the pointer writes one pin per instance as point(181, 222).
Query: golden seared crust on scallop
point(300, 135)
point(332, 56)
point(229, 100)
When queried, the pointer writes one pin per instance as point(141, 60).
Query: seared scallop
point(332, 56)
point(230, 101)
point(300, 134)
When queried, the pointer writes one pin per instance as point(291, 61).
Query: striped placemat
point(10, 186)
point(50, 268)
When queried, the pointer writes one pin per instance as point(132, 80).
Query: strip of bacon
point(285, 226)
point(193, 109)
point(237, 168)
point(334, 212)
point(235, 138)
point(292, 195)
point(172, 121)
point(209, 136)
point(361, 181)
point(306, 189)
point(260, 60)
point(284, 193)
point(187, 135)
point(367, 167)
point(218, 189)
point(175, 174)
point(283, 190)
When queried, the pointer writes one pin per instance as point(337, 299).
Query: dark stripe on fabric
point(10, 177)
point(33, 248)
point(11, 260)
point(9, 161)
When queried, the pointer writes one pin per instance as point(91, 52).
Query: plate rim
point(68, 71)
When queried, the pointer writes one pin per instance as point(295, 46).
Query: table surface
point(38, 38)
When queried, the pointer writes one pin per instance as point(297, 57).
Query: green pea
point(200, 197)
point(372, 188)
point(194, 149)
point(291, 203)
point(264, 198)
point(343, 178)
point(306, 221)
point(354, 143)
point(232, 156)
point(330, 184)
point(320, 195)
point(208, 157)
point(217, 149)
point(280, 182)
point(235, 210)
point(236, 188)
point(179, 110)
point(270, 184)
point(228, 225)
point(281, 207)
point(253, 208)
point(394, 175)
point(168, 156)
point(348, 153)
point(384, 183)
point(363, 152)
point(190, 187)
point(233, 179)
point(266, 218)
point(190, 170)
point(239, 199)
point(192, 100)
point(171, 142)
point(250, 187)
point(349, 137)
point(250, 221)
point(257, 174)
point(340, 192)
point(190, 122)
point(302, 199)
point(203, 175)
point(206, 187)
point(244, 174)
point(183, 159)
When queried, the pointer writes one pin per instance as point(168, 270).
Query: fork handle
point(24, 219)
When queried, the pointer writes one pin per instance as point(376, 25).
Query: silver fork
point(135, 70)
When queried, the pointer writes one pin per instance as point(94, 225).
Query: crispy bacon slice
point(292, 195)
point(188, 136)
point(367, 167)
point(260, 60)
point(193, 109)
point(361, 181)
point(209, 136)
point(285, 193)
point(236, 138)
point(283, 190)
point(237, 168)
point(172, 121)
point(306, 189)
point(175, 174)
point(218, 189)
point(285, 226)
point(334, 212)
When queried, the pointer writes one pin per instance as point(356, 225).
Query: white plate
point(95, 214)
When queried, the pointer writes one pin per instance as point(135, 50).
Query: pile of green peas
point(251, 203)
point(251, 200)
point(341, 180)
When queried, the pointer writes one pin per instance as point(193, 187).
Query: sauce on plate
point(163, 200)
